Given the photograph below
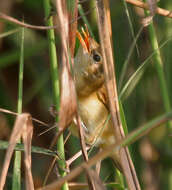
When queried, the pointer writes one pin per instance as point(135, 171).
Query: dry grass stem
point(49, 170)
point(143, 5)
point(16, 114)
point(73, 158)
point(104, 25)
point(84, 152)
point(137, 3)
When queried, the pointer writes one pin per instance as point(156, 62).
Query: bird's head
point(88, 67)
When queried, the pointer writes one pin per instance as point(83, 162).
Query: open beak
point(84, 39)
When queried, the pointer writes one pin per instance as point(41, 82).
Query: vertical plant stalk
point(55, 83)
point(104, 26)
point(159, 68)
point(16, 182)
point(72, 8)
point(160, 73)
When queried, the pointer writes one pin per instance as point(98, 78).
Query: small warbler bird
point(91, 95)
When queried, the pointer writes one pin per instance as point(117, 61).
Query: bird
point(93, 105)
point(92, 95)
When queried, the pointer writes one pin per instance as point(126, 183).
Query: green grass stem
point(55, 83)
point(141, 131)
point(157, 61)
point(130, 25)
point(16, 182)
point(162, 80)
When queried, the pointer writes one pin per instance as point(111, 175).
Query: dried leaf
point(27, 141)
point(68, 96)
point(67, 100)
point(22, 128)
point(68, 104)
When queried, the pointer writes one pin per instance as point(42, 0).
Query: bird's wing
point(103, 97)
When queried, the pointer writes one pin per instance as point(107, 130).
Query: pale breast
point(96, 118)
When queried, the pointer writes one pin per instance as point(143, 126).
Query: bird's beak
point(84, 39)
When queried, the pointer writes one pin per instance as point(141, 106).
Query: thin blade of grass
point(131, 26)
point(137, 75)
point(133, 81)
point(91, 182)
point(5, 34)
point(146, 128)
point(49, 171)
point(16, 182)
point(124, 68)
point(4, 145)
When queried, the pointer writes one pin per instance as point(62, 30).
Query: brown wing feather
point(102, 96)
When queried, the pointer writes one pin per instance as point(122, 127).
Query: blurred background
point(152, 154)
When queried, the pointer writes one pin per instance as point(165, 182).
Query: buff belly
point(96, 119)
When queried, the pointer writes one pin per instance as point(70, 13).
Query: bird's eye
point(96, 57)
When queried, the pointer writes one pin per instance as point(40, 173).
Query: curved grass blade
point(20, 147)
point(124, 68)
point(13, 31)
point(135, 78)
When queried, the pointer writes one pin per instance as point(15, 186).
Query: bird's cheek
point(98, 71)
point(101, 68)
